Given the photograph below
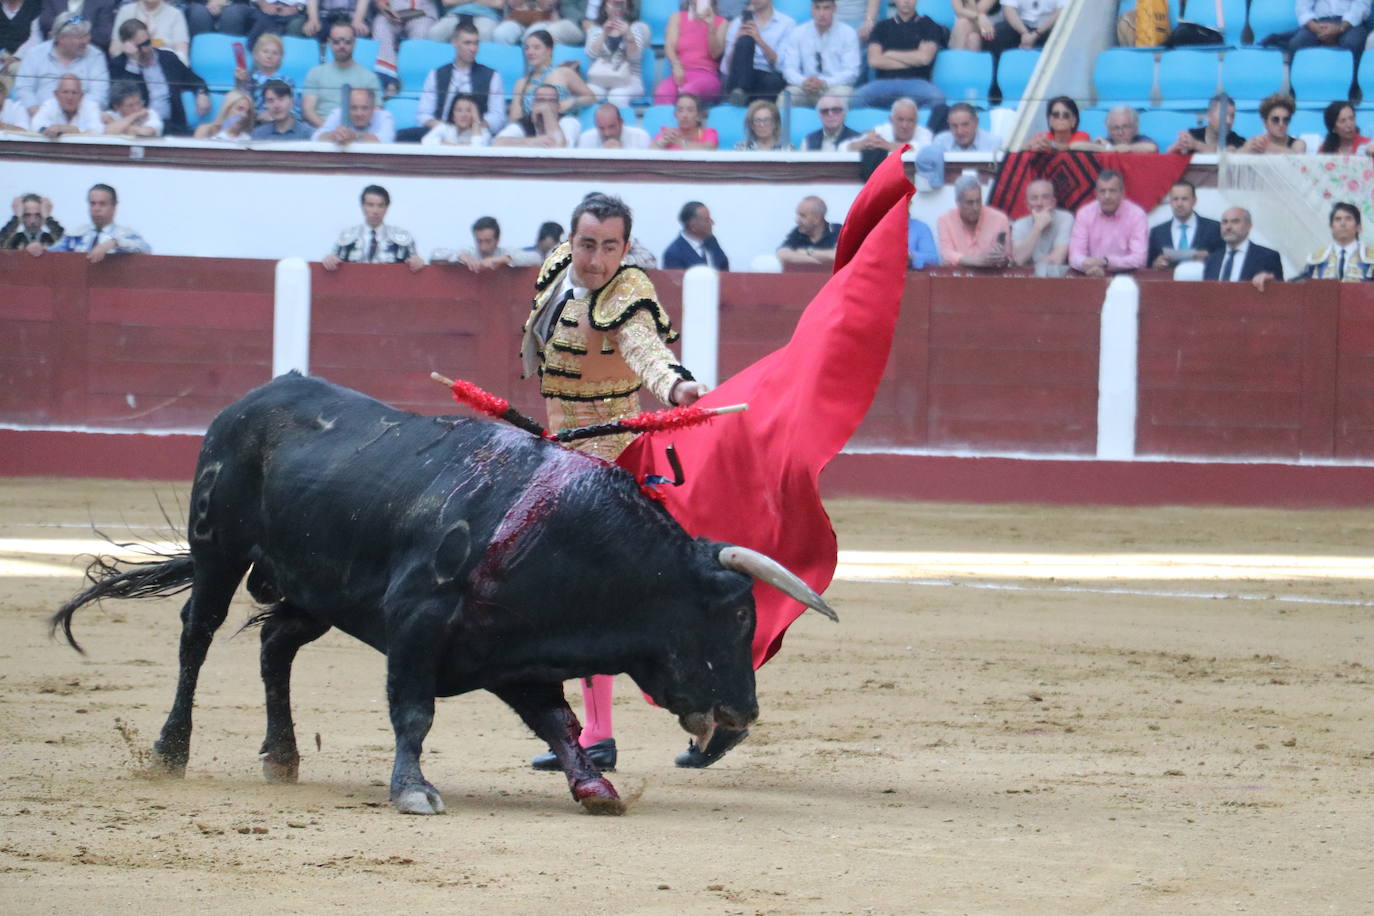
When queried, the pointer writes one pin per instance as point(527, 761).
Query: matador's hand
point(685, 393)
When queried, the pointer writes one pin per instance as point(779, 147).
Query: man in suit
point(834, 134)
point(695, 244)
point(161, 74)
point(1187, 231)
point(1239, 258)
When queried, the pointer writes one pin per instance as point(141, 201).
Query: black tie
point(372, 247)
point(1340, 268)
point(1226, 265)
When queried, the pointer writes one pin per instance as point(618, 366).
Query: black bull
point(473, 555)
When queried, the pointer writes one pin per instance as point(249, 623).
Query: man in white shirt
point(753, 43)
point(902, 127)
point(1330, 23)
point(611, 132)
point(102, 237)
point(366, 122)
point(129, 115)
point(964, 135)
point(1026, 23)
point(820, 57)
point(69, 51)
point(463, 75)
point(373, 241)
point(67, 112)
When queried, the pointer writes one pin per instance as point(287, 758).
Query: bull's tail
point(112, 578)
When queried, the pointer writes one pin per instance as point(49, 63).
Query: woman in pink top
point(689, 133)
point(693, 45)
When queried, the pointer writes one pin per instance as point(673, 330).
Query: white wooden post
point(701, 323)
point(1117, 392)
point(291, 318)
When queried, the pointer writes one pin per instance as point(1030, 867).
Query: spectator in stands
point(161, 74)
point(99, 14)
point(324, 82)
point(689, 132)
point(32, 228)
point(68, 52)
point(463, 76)
point(762, 128)
point(1240, 259)
point(1123, 134)
point(964, 135)
point(482, 15)
point(1188, 236)
point(901, 128)
point(834, 134)
point(394, 20)
point(525, 17)
point(268, 52)
point(974, 23)
point(234, 122)
point(540, 71)
point(165, 23)
point(696, 244)
point(920, 246)
point(1043, 235)
point(366, 121)
point(486, 252)
point(542, 126)
point(1276, 112)
point(1109, 234)
point(19, 33)
point(282, 123)
point(1062, 117)
point(616, 46)
point(901, 52)
point(753, 44)
point(464, 126)
point(611, 132)
point(1207, 139)
point(13, 116)
point(102, 237)
point(1345, 259)
point(693, 45)
point(129, 114)
point(820, 56)
point(549, 237)
point(373, 241)
point(813, 240)
point(1026, 23)
point(972, 235)
point(287, 17)
point(228, 17)
point(1342, 134)
point(69, 111)
point(1331, 23)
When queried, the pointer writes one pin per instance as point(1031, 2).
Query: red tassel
point(465, 392)
point(674, 418)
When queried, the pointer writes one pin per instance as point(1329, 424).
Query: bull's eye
point(742, 615)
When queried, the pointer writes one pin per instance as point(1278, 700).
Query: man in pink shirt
point(972, 235)
point(1110, 233)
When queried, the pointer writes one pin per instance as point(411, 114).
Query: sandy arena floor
point(1022, 710)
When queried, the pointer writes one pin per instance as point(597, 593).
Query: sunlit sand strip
point(874, 565)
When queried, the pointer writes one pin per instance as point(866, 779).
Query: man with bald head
point(365, 121)
point(903, 126)
point(69, 111)
point(1123, 134)
point(1042, 236)
point(813, 240)
point(1241, 259)
point(609, 131)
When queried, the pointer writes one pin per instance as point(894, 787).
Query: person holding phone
point(753, 46)
point(972, 235)
point(693, 45)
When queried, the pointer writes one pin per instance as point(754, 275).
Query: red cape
point(752, 479)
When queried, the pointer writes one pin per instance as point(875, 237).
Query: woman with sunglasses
point(1062, 116)
point(1342, 133)
point(1277, 113)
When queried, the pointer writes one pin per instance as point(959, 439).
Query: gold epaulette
point(1319, 257)
point(629, 291)
point(557, 261)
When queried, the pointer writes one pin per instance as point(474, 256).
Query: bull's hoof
point(165, 765)
point(278, 771)
point(598, 796)
point(419, 800)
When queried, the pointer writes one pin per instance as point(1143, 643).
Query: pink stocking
point(596, 705)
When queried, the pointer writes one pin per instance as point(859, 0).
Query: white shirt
point(920, 138)
point(630, 138)
point(461, 81)
point(832, 56)
point(152, 121)
point(1034, 12)
point(166, 26)
point(159, 93)
point(382, 125)
point(13, 113)
point(41, 69)
point(1237, 259)
point(572, 131)
point(447, 135)
point(87, 117)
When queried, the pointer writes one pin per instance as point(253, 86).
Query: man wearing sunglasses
point(834, 134)
point(68, 53)
point(98, 14)
point(324, 82)
point(161, 74)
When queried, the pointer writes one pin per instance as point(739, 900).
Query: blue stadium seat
point(1174, 11)
point(939, 10)
point(1093, 122)
point(1307, 122)
point(1319, 75)
point(1163, 126)
point(365, 52)
point(402, 111)
point(804, 121)
point(1014, 72)
point(1365, 76)
point(1204, 12)
point(298, 56)
point(728, 122)
point(1251, 74)
point(1248, 124)
point(587, 116)
point(188, 102)
point(1270, 17)
point(1187, 79)
point(799, 10)
point(656, 117)
point(212, 58)
point(655, 14)
point(564, 53)
point(963, 76)
point(417, 57)
point(1123, 76)
point(865, 119)
point(507, 60)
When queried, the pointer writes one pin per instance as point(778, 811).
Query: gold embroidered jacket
point(599, 351)
point(1323, 265)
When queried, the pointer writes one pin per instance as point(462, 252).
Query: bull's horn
point(766, 569)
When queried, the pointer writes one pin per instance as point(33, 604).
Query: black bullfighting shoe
point(602, 753)
point(720, 743)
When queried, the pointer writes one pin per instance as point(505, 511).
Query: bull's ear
point(766, 569)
